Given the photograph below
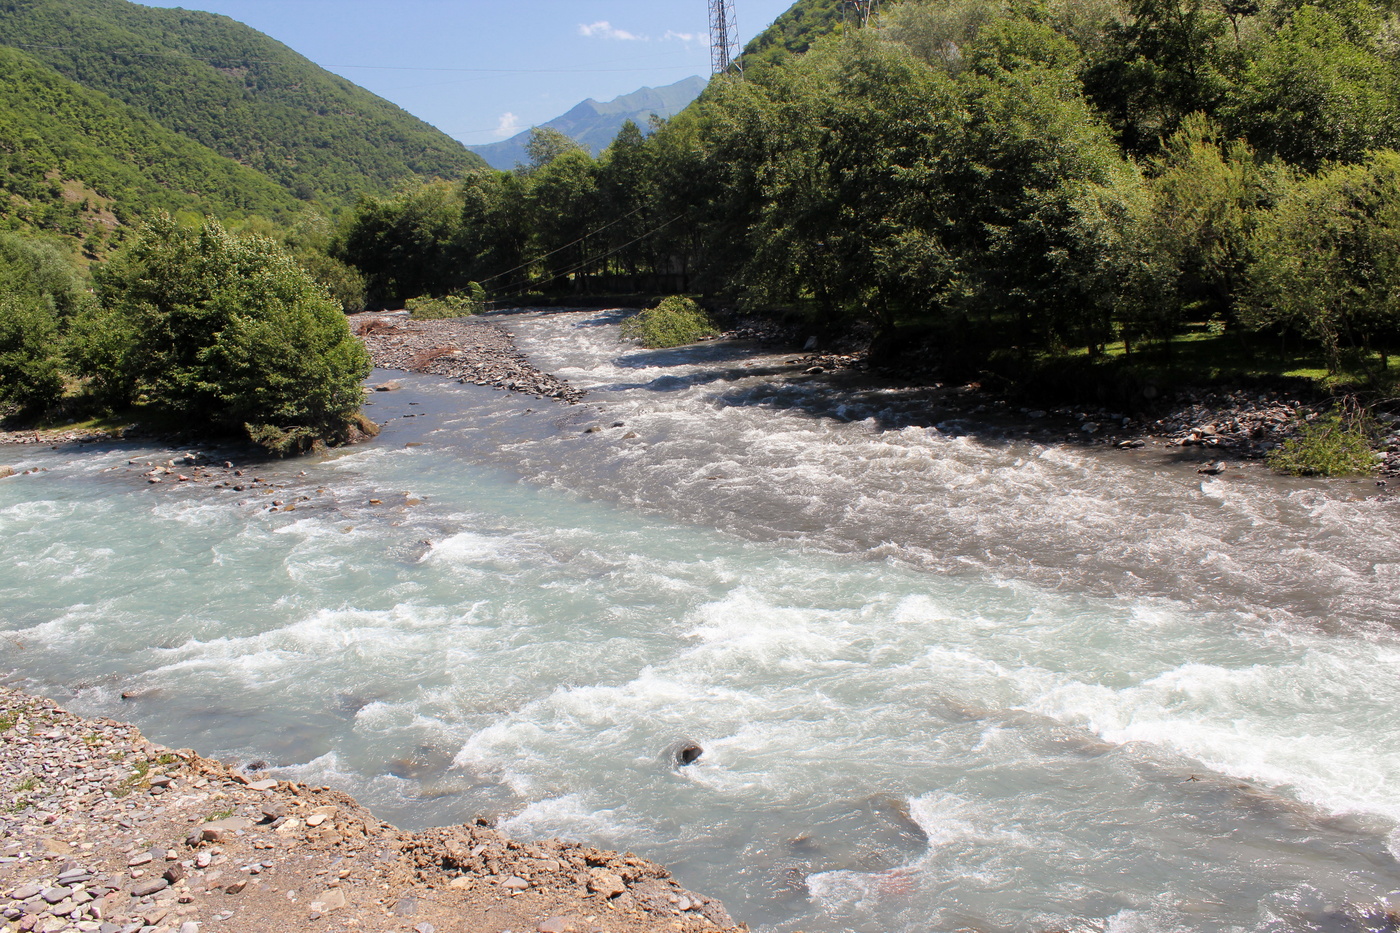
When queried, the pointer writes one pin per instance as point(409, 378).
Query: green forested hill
point(238, 92)
point(76, 162)
point(793, 32)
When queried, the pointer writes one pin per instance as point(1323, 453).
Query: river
point(947, 676)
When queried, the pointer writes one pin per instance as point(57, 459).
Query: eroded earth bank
point(106, 832)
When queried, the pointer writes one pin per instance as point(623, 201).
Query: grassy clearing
point(1201, 355)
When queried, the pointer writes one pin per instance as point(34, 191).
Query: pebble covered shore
point(466, 349)
point(103, 831)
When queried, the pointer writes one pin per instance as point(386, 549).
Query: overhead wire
point(227, 62)
point(591, 260)
point(561, 249)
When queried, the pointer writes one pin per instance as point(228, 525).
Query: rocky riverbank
point(469, 350)
point(103, 831)
point(1217, 426)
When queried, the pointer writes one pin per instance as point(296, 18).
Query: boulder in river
point(684, 752)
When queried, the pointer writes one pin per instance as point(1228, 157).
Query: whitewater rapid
point(946, 676)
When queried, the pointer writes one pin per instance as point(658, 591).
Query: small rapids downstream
point(946, 677)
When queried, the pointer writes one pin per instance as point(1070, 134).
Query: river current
point(947, 676)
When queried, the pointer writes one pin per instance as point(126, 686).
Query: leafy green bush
point(230, 332)
point(40, 289)
point(1336, 445)
point(674, 322)
point(30, 376)
point(448, 306)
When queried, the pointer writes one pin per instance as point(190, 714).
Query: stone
point(605, 883)
point(25, 892)
point(558, 925)
point(54, 895)
point(425, 928)
point(146, 888)
point(405, 907)
point(174, 873)
point(515, 883)
point(237, 887)
point(141, 858)
point(329, 900)
point(686, 753)
point(268, 784)
point(189, 926)
point(221, 830)
point(273, 810)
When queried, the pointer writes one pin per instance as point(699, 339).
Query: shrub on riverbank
point(39, 292)
point(227, 332)
point(1338, 444)
point(676, 321)
point(463, 304)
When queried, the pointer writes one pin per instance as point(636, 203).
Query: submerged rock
point(684, 752)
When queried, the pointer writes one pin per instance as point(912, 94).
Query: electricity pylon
point(859, 10)
point(724, 36)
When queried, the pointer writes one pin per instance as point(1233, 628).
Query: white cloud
point(509, 125)
point(604, 30)
point(682, 36)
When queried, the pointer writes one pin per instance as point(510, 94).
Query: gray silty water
point(944, 679)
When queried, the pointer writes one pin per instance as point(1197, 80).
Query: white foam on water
point(39, 510)
point(469, 547)
point(573, 818)
point(338, 642)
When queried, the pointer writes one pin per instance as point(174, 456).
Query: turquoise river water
point(946, 677)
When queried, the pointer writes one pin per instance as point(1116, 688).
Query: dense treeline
point(237, 92)
point(1017, 181)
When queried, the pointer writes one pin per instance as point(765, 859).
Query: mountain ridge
point(595, 125)
point(238, 92)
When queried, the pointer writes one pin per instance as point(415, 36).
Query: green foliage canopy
point(230, 331)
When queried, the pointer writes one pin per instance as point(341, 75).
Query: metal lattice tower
point(724, 36)
point(858, 10)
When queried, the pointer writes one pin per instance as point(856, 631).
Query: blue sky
point(483, 71)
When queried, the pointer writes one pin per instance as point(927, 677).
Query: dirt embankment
point(102, 831)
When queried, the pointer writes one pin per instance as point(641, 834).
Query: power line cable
point(227, 62)
point(562, 248)
point(591, 260)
